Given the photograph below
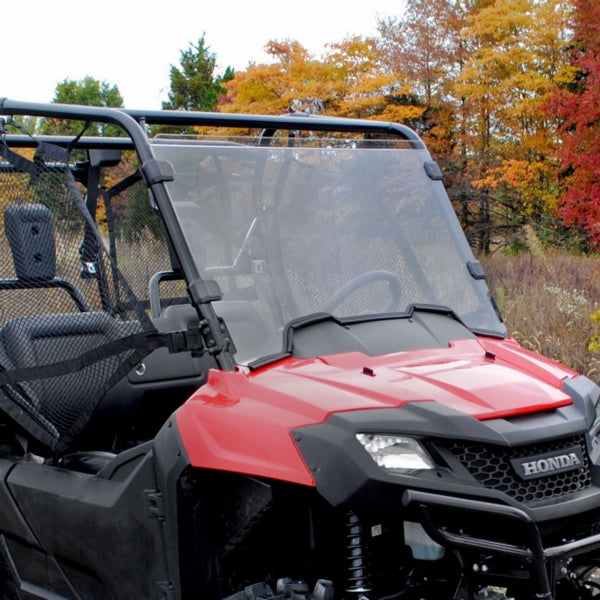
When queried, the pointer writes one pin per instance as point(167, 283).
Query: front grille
point(491, 467)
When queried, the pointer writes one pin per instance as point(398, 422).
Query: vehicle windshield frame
point(261, 163)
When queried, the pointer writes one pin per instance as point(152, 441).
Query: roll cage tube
point(156, 174)
point(298, 122)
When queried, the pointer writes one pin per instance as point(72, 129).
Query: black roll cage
point(157, 173)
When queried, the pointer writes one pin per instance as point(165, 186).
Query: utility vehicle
point(253, 357)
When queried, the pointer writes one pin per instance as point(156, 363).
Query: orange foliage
point(350, 80)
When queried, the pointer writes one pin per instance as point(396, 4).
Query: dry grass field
point(548, 300)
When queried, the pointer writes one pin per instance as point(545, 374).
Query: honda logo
point(548, 463)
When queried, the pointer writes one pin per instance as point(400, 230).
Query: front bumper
point(530, 547)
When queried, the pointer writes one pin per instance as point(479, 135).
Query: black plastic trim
point(171, 461)
point(158, 171)
point(347, 341)
point(67, 510)
point(476, 269)
point(433, 171)
point(346, 474)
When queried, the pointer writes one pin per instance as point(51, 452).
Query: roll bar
point(157, 173)
point(125, 119)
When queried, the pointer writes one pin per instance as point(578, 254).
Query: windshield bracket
point(203, 291)
point(158, 171)
point(189, 340)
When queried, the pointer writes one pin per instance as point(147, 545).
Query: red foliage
point(577, 106)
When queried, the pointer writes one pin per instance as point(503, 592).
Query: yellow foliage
point(401, 113)
point(566, 75)
point(594, 345)
point(24, 193)
point(349, 81)
point(531, 181)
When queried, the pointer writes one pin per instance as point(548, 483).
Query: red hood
point(241, 421)
point(485, 380)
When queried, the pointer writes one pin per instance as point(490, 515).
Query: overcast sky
point(133, 43)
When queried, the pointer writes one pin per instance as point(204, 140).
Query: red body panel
point(241, 421)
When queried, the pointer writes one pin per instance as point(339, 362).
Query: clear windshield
point(352, 229)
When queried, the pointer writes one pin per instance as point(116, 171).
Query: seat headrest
point(30, 232)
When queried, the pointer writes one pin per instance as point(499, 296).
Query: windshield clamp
point(158, 171)
point(203, 291)
point(185, 341)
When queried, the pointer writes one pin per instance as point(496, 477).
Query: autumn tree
point(423, 46)
point(294, 81)
point(481, 71)
point(366, 88)
point(576, 104)
point(513, 50)
point(471, 76)
point(194, 84)
point(349, 80)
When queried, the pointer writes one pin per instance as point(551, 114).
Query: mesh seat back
point(60, 354)
point(56, 407)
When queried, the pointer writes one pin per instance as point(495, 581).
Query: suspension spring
point(358, 576)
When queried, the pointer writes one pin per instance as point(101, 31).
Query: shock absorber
point(357, 564)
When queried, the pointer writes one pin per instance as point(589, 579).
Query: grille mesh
point(491, 467)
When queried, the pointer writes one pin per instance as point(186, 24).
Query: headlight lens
point(395, 453)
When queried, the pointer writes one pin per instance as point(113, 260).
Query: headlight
point(396, 453)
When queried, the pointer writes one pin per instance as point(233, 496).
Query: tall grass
point(547, 299)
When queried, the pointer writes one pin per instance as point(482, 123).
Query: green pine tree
point(194, 85)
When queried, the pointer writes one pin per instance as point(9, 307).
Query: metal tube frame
point(134, 122)
point(532, 551)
